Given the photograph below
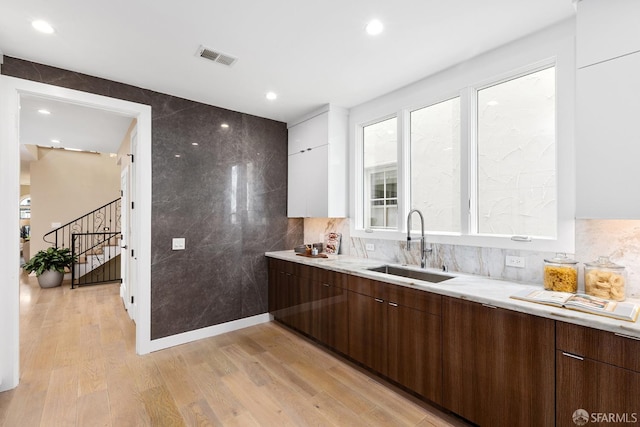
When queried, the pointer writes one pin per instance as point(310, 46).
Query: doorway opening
point(12, 92)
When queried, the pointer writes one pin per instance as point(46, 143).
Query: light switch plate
point(370, 247)
point(178, 244)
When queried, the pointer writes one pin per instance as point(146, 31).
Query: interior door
point(131, 231)
point(124, 235)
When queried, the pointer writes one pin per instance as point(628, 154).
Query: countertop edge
point(467, 287)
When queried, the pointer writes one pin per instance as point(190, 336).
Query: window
point(516, 180)
point(481, 166)
point(435, 165)
point(380, 155)
point(25, 208)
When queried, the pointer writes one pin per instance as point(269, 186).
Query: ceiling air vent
point(215, 56)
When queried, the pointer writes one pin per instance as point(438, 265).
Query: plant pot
point(50, 279)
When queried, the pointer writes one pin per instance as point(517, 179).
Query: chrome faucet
point(423, 249)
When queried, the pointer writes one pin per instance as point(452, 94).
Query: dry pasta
point(562, 279)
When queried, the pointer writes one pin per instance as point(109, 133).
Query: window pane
point(435, 165)
point(380, 155)
point(517, 156)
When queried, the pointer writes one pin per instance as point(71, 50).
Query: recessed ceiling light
point(374, 27)
point(194, 143)
point(271, 96)
point(177, 155)
point(42, 26)
point(55, 141)
point(43, 111)
point(224, 125)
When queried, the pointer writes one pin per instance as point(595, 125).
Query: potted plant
point(49, 266)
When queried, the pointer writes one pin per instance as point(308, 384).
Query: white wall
point(557, 42)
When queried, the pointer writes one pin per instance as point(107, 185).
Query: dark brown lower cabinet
point(492, 366)
point(598, 372)
point(312, 300)
point(498, 365)
point(393, 330)
point(415, 350)
point(331, 313)
point(368, 331)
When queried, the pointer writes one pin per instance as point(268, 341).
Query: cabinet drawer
point(368, 287)
point(416, 299)
point(598, 345)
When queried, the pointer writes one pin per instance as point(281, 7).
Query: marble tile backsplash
point(620, 240)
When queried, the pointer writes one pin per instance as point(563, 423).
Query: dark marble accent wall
point(227, 196)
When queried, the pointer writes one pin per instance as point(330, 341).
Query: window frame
point(468, 235)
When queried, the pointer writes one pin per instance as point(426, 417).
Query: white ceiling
point(73, 125)
point(310, 53)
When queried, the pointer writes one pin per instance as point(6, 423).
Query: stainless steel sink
point(412, 274)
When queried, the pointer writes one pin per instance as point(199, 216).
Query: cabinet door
point(275, 291)
point(606, 29)
point(498, 365)
point(316, 181)
point(598, 388)
point(330, 319)
point(607, 139)
point(302, 290)
point(311, 133)
point(297, 186)
point(367, 331)
point(415, 350)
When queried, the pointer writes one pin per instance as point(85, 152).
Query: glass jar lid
point(604, 262)
point(561, 258)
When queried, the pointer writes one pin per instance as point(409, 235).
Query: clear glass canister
point(561, 274)
point(605, 279)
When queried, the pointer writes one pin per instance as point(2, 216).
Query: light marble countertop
point(479, 289)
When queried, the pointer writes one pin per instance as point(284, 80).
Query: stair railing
point(87, 233)
point(106, 218)
point(97, 253)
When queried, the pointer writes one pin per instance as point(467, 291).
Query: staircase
point(94, 239)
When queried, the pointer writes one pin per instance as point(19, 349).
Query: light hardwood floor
point(79, 368)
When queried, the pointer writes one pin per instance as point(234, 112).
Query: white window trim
point(563, 58)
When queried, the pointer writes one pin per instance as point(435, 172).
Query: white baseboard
point(210, 331)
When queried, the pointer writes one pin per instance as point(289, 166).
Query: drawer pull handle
point(378, 300)
point(627, 336)
point(572, 356)
point(393, 304)
point(489, 306)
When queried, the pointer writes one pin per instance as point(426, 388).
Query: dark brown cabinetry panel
point(311, 300)
point(392, 330)
point(415, 350)
point(598, 388)
point(498, 365)
point(331, 314)
point(599, 372)
point(367, 331)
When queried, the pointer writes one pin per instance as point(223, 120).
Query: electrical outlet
point(370, 247)
point(514, 261)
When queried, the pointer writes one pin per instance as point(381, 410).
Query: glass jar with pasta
point(561, 274)
point(605, 279)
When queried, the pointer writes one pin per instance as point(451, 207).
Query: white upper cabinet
point(608, 109)
point(608, 140)
point(317, 165)
point(607, 29)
